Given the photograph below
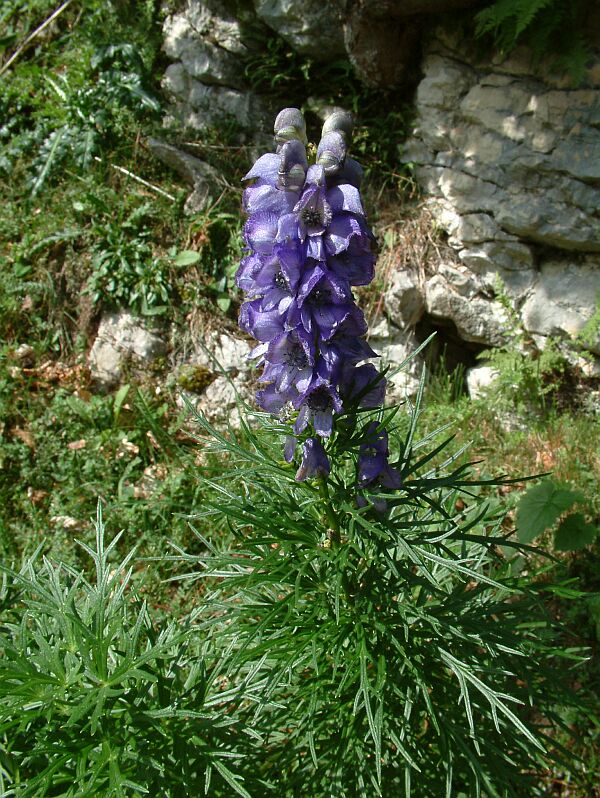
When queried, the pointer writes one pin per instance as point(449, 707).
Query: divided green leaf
point(541, 506)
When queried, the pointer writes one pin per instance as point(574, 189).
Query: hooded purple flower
point(317, 405)
point(289, 360)
point(373, 466)
point(315, 462)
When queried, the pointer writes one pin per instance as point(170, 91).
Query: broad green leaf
point(186, 258)
point(574, 533)
point(541, 506)
point(224, 302)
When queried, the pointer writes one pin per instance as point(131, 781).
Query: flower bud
point(289, 125)
point(341, 122)
point(331, 152)
point(292, 166)
point(315, 462)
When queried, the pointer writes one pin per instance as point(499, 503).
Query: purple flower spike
point(315, 462)
point(308, 243)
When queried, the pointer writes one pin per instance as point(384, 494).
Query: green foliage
point(574, 533)
point(69, 113)
point(398, 650)
point(540, 508)
point(552, 28)
point(589, 335)
point(125, 270)
point(97, 699)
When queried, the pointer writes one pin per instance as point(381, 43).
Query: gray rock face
point(563, 297)
point(207, 79)
point(477, 319)
point(383, 37)
point(311, 27)
point(122, 339)
point(510, 161)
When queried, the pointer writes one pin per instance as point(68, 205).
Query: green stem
point(329, 511)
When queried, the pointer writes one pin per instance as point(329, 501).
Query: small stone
point(122, 338)
point(479, 380)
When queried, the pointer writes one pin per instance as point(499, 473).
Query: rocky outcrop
point(310, 27)
point(507, 157)
point(206, 82)
point(510, 162)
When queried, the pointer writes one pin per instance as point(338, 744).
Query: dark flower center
point(280, 281)
point(322, 296)
point(311, 217)
point(319, 400)
point(295, 356)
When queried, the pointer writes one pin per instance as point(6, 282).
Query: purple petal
point(329, 317)
point(260, 231)
point(271, 400)
point(358, 269)
point(247, 272)
point(345, 197)
point(265, 168)
point(264, 197)
point(351, 172)
point(302, 420)
point(287, 230)
point(314, 460)
point(342, 229)
point(289, 448)
point(323, 423)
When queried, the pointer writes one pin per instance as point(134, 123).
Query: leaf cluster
point(68, 114)
point(552, 28)
point(401, 654)
point(99, 699)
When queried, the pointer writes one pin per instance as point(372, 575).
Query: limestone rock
point(479, 380)
point(219, 403)
point(122, 338)
point(311, 27)
point(509, 158)
point(394, 348)
point(224, 353)
point(403, 299)
point(199, 105)
point(509, 255)
point(476, 319)
point(564, 297)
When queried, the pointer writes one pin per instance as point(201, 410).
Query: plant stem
point(329, 511)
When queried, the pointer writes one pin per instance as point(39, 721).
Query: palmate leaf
point(574, 533)
point(541, 506)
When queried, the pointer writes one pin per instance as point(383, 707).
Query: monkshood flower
point(308, 243)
